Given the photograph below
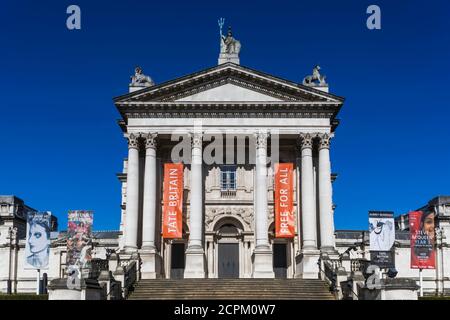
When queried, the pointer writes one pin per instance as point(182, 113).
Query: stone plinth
point(151, 264)
point(262, 263)
point(307, 264)
point(391, 289)
point(89, 289)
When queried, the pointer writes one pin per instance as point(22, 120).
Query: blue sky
point(61, 146)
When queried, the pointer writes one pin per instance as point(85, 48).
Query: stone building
point(253, 120)
point(229, 125)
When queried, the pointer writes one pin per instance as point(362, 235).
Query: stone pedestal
point(262, 263)
point(228, 57)
point(195, 263)
point(307, 267)
point(391, 289)
point(89, 289)
point(399, 289)
point(150, 264)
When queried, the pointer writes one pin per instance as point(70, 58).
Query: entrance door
point(228, 260)
point(280, 260)
point(177, 261)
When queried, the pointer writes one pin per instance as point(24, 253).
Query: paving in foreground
point(232, 289)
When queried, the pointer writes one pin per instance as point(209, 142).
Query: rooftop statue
point(141, 80)
point(228, 44)
point(315, 79)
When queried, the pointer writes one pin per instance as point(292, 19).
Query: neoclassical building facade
point(228, 125)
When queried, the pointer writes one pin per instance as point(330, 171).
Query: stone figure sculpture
point(139, 79)
point(228, 44)
point(316, 78)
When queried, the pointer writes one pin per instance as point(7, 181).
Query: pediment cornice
point(223, 74)
point(229, 110)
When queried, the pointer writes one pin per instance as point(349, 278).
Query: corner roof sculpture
point(316, 79)
point(139, 79)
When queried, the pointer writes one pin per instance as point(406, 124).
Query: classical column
point(325, 196)
point(195, 258)
point(151, 263)
point(132, 205)
point(307, 194)
point(149, 210)
point(307, 260)
point(298, 163)
point(262, 262)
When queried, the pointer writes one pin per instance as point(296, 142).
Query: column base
point(151, 263)
point(130, 250)
point(195, 263)
point(306, 262)
point(330, 251)
point(263, 263)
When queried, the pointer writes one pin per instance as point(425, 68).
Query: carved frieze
point(244, 213)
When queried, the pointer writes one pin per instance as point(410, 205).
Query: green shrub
point(435, 298)
point(23, 296)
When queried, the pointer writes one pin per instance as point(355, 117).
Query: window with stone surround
point(227, 178)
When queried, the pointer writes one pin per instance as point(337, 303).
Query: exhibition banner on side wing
point(422, 235)
point(37, 247)
point(382, 238)
point(173, 201)
point(79, 238)
point(284, 192)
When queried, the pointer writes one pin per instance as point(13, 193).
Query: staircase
point(232, 289)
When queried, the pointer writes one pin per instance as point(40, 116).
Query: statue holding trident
point(229, 46)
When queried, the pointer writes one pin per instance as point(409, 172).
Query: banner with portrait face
point(422, 234)
point(79, 239)
point(284, 193)
point(382, 238)
point(37, 247)
point(173, 201)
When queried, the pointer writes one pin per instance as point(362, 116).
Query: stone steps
point(232, 289)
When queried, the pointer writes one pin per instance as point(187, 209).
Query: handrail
point(113, 288)
point(130, 277)
point(331, 279)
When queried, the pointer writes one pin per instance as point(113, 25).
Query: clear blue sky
point(61, 146)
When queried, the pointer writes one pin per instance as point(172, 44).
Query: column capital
point(133, 141)
point(197, 139)
point(305, 141)
point(150, 140)
point(261, 139)
point(324, 140)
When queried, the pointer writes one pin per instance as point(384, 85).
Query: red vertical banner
point(284, 192)
point(173, 201)
point(421, 228)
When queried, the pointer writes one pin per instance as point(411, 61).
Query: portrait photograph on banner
point(79, 238)
point(37, 246)
point(422, 235)
point(284, 193)
point(173, 201)
point(382, 238)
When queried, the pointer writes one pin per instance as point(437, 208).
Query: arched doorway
point(228, 237)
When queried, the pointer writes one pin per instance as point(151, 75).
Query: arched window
point(228, 229)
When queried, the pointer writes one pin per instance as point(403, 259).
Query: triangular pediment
point(229, 92)
point(228, 83)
